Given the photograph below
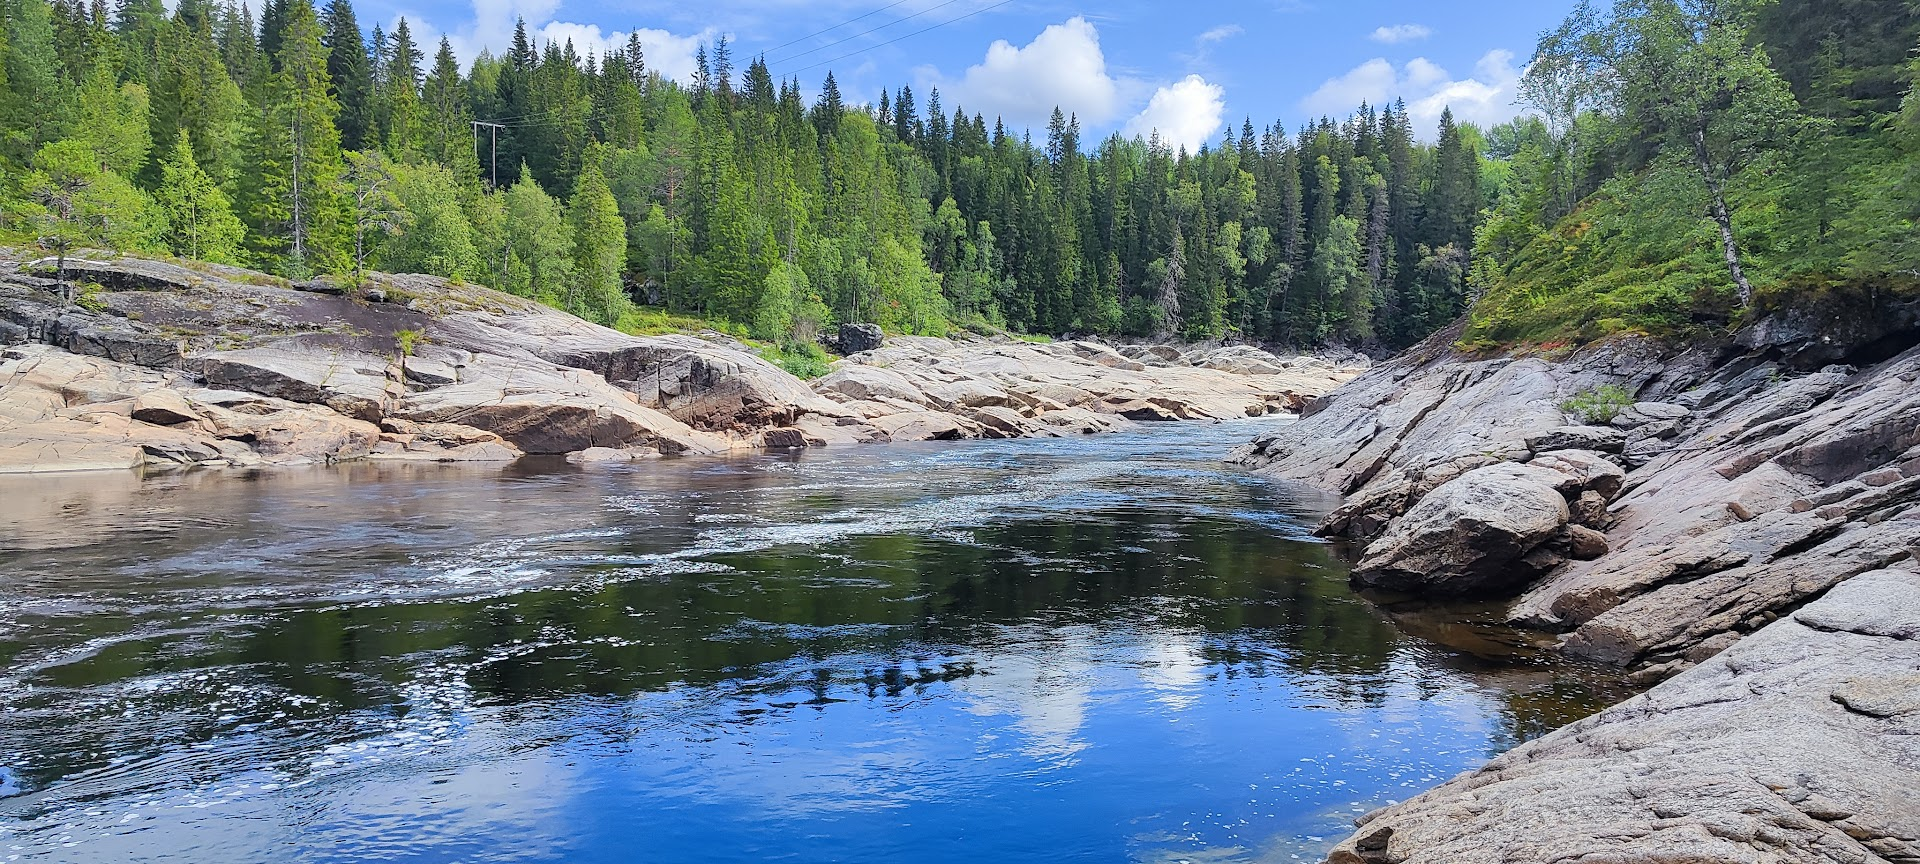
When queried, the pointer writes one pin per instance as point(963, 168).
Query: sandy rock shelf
point(175, 366)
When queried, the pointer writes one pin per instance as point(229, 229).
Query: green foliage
point(803, 360)
point(734, 202)
point(407, 341)
point(538, 253)
point(199, 220)
point(1706, 183)
point(599, 251)
point(112, 121)
point(1598, 405)
point(297, 206)
point(70, 200)
point(431, 233)
point(656, 321)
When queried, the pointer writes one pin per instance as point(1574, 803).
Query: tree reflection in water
point(1101, 648)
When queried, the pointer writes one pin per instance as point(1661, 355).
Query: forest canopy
point(1681, 161)
point(300, 144)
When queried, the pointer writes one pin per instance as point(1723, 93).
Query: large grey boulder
point(857, 338)
point(1488, 532)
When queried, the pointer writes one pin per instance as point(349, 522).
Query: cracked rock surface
point(1801, 743)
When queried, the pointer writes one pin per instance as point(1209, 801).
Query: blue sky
point(1184, 69)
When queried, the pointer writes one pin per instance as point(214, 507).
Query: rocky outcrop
point(1734, 525)
point(1798, 744)
point(1746, 485)
point(1006, 387)
point(414, 367)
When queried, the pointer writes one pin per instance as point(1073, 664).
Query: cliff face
point(1767, 486)
point(161, 364)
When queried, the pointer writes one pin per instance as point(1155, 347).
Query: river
point(1111, 648)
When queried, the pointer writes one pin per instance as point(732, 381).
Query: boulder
point(1585, 471)
point(164, 407)
point(1601, 439)
point(1486, 533)
point(999, 422)
point(858, 338)
point(1586, 544)
point(1100, 354)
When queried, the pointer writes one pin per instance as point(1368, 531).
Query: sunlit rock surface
point(154, 366)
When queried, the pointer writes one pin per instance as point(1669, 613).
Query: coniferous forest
point(1680, 161)
point(303, 145)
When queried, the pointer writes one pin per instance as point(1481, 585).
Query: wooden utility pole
point(493, 139)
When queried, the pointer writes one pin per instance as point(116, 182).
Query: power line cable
point(926, 11)
point(835, 27)
point(979, 11)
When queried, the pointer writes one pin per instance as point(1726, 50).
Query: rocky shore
point(163, 365)
point(1736, 520)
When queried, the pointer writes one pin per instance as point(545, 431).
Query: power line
point(925, 11)
point(979, 11)
point(835, 27)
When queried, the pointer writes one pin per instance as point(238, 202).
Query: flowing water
point(1103, 649)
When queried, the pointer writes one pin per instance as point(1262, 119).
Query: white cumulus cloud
point(1185, 114)
point(491, 28)
point(1399, 33)
point(1487, 98)
point(666, 53)
point(1063, 67)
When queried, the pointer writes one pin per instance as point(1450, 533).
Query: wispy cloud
point(1399, 33)
point(1220, 33)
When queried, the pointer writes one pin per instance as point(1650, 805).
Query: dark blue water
point(1100, 649)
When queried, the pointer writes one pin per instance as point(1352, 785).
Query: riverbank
point(158, 365)
point(1736, 520)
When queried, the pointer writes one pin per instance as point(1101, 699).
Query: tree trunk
point(1722, 217)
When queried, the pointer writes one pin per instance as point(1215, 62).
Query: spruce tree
point(599, 251)
point(199, 219)
point(296, 204)
point(446, 126)
point(399, 115)
point(351, 72)
point(34, 103)
point(112, 119)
